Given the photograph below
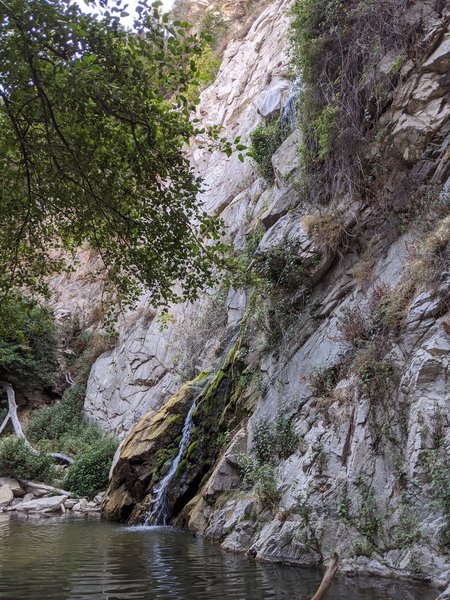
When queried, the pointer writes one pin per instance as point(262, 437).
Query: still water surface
point(84, 559)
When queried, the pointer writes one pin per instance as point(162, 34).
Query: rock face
point(345, 362)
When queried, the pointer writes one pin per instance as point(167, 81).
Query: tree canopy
point(93, 121)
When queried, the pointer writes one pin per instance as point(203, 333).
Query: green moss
point(191, 449)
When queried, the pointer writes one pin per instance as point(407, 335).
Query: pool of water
point(85, 558)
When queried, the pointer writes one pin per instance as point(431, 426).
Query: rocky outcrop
point(348, 344)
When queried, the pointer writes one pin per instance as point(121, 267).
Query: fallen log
point(12, 416)
point(32, 485)
point(328, 577)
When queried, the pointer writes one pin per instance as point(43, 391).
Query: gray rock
point(50, 504)
point(440, 59)
point(445, 594)
point(13, 485)
point(273, 98)
point(6, 496)
point(286, 159)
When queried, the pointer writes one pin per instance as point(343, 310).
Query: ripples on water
point(84, 559)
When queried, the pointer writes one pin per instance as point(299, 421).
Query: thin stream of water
point(159, 510)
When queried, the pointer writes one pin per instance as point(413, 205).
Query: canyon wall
point(333, 378)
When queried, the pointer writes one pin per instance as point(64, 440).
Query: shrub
point(322, 382)
point(89, 474)
point(266, 487)
point(16, 460)
point(326, 231)
point(261, 477)
point(353, 326)
point(336, 47)
point(282, 267)
point(66, 417)
point(265, 140)
point(264, 442)
point(372, 368)
point(286, 440)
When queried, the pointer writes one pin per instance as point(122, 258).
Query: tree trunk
point(328, 577)
point(12, 415)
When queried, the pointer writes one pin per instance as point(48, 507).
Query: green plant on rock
point(261, 478)
point(368, 520)
point(407, 531)
point(373, 369)
point(89, 474)
point(437, 464)
point(344, 507)
point(282, 267)
point(264, 442)
point(17, 460)
point(266, 486)
point(266, 138)
point(337, 49)
point(322, 382)
point(285, 438)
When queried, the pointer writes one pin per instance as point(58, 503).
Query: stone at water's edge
point(51, 504)
point(13, 485)
point(6, 495)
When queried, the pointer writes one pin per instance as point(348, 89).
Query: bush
point(264, 442)
point(89, 474)
point(286, 440)
point(322, 382)
point(16, 460)
point(54, 422)
point(261, 477)
point(266, 487)
point(337, 49)
point(265, 141)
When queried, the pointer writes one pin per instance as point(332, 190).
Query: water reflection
point(85, 559)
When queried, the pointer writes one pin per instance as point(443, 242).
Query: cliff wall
point(326, 422)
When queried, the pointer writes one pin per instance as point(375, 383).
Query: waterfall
point(159, 511)
point(289, 110)
point(158, 514)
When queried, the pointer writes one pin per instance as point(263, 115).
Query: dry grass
point(326, 230)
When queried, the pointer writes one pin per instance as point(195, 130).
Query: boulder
point(6, 496)
point(440, 59)
point(13, 485)
point(286, 159)
point(80, 505)
point(273, 98)
point(51, 504)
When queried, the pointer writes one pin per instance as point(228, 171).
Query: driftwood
point(12, 416)
point(32, 485)
point(328, 577)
